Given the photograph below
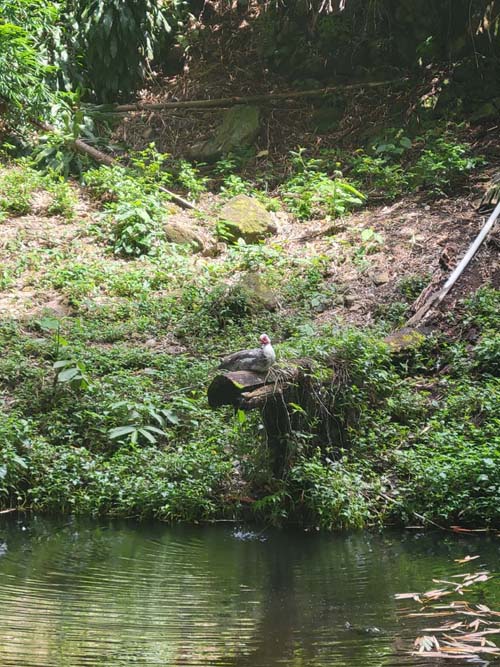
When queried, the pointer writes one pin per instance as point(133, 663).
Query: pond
point(82, 593)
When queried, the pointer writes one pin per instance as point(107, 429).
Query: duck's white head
point(264, 339)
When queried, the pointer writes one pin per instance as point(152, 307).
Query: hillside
point(353, 204)
point(95, 341)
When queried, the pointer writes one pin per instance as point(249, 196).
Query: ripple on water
point(120, 594)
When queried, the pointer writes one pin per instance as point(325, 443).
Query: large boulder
point(246, 218)
point(239, 129)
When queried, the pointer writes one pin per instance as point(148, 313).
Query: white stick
point(457, 272)
point(470, 253)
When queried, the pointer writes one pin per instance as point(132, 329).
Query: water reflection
point(83, 593)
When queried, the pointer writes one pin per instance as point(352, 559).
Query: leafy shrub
point(482, 309)
point(22, 73)
point(411, 286)
point(234, 185)
point(118, 42)
point(460, 483)
point(145, 421)
point(51, 33)
point(64, 199)
point(311, 191)
point(189, 177)
point(76, 280)
point(111, 183)
point(174, 485)
point(137, 226)
point(388, 168)
point(16, 190)
point(378, 176)
point(215, 309)
point(55, 151)
point(327, 494)
point(15, 433)
point(392, 144)
point(443, 163)
point(487, 354)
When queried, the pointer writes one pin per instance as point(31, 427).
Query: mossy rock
point(405, 340)
point(258, 295)
point(246, 218)
point(239, 129)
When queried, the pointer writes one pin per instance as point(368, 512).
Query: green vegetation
point(310, 192)
point(102, 420)
point(116, 303)
point(434, 162)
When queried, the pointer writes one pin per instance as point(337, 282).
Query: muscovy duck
point(259, 360)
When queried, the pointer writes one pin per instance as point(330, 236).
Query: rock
point(57, 307)
point(258, 295)
point(404, 340)
point(487, 110)
point(183, 235)
point(349, 300)
point(239, 129)
point(245, 217)
point(380, 278)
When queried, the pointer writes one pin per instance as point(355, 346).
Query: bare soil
point(419, 238)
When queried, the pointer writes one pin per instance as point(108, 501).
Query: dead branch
point(251, 99)
point(437, 297)
point(82, 147)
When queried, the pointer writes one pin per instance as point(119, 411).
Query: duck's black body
point(259, 359)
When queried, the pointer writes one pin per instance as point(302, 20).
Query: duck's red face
point(264, 339)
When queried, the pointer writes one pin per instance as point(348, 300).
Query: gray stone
point(380, 278)
point(239, 129)
point(245, 217)
point(257, 294)
point(183, 235)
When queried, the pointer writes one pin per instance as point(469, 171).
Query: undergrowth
point(136, 438)
point(105, 411)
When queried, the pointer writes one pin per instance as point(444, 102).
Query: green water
point(82, 593)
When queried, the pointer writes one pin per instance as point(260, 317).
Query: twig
point(419, 516)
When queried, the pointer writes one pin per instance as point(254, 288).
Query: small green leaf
point(49, 324)
point(62, 363)
point(145, 432)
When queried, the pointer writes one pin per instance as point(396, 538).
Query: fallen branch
point(251, 99)
point(97, 155)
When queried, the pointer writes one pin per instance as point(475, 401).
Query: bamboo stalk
point(436, 298)
point(251, 99)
